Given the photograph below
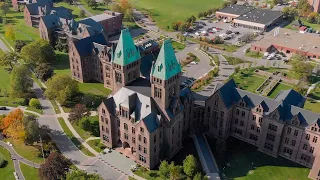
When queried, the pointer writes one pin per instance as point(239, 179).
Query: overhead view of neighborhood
point(159, 89)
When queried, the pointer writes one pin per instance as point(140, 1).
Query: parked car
point(197, 34)
point(237, 32)
point(3, 108)
point(194, 63)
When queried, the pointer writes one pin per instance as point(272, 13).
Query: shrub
point(35, 103)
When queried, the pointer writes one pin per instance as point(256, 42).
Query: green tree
point(21, 81)
point(35, 103)
point(62, 88)
point(37, 52)
point(32, 129)
point(10, 32)
point(164, 170)
point(190, 165)
point(107, 2)
point(4, 8)
point(18, 45)
point(200, 15)
point(300, 67)
point(8, 58)
point(129, 14)
point(44, 71)
point(79, 111)
point(82, 175)
point(198, 176)
point(92, 4)
point(175, 171)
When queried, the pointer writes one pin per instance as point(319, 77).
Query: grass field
point(315, 93)
point(40, 111)
point(247, 163)
point(277, 89)
point(28, 152)
point(247, 80)
point(6, 173)
point(164, 12)
point(96, 145)
point(29, 173)
point(72, 138)
point(312, 106)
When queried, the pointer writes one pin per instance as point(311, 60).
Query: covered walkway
point(205, 155)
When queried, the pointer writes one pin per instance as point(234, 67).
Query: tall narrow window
point(157, 92)
point(118, 77)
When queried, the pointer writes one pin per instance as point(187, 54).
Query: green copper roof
point(126, 52)
point(166, 65)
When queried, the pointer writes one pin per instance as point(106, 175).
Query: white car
point(194, 63)
point(197, 34)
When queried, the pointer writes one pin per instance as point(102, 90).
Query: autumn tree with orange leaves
point(12, 125)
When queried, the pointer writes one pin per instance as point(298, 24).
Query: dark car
point(3, 108)
point(237, 32)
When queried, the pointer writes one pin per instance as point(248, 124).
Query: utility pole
point(42, 148)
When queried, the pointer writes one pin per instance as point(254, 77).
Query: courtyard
point(244, 161)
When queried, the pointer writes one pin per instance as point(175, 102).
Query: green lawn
point(28, 152)
point(305, 23)
point(6, 173)
point(55, 106)
point(29, 173)
point(40, 111)
point(253, 54)
point(100, 9)
point(228, 48)
point(94, 88)
point(164, 12)
point(247, 163)
point(312, 106)
point(83, 134)
point(277, 89)
point(23, 32)
point(248, 80)
point(75, 141)
point(96, 145)
point(30, 114)
point(62, 65)
point(178, 46)
point(233, 60)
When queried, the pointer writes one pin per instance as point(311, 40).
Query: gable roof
point(126, 52)
point(166, 65)
point(291, 97)
point(87, 45)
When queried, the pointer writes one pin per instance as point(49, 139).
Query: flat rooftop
point(101, 17)
point(260, 16)
point(236, 9)
point(307, 42)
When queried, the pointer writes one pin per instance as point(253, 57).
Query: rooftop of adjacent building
point(236, 9)
point(307, 42)
point(105, 15)
point(260, 16)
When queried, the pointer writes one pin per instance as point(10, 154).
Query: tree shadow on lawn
point(240, 158)
point(91, 101)
point(62, 61)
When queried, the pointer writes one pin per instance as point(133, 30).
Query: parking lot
point(221, 28)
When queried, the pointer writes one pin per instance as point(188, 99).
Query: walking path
point(23, 108)
point(312, 87)
point(80, 6)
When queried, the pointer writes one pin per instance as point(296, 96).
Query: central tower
point(125, 61)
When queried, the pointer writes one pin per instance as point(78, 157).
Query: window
point(141, 129)
point(252, 127)
point(260, 119)
point(133, 139)
point(102, 128)
point(238, 131)
point(107, 121)
point(287, 150)
point(221, 114)
point(311, 149)
point(139, 137)
point(139, 147)
point(305, 157)
point(241, 123)
point(305, 147)
point(268, 146)
point(296, 132)
point(293, 143)
point(254, 117)
point(107, 130)
point(125, 125)
point(133, 130)
point(142, 159)
point(237, 112)
point(118, 123)
point(125, 135)
point(258, 130)
point(243, 113)
point(289, 130)
point(272, 127)
point(270, 137)
point(315, 139)
point(253, 137)
point(145, 150)
point(286, 140)
point(236, 121)
point(106, 138)
point(118, 77)
point(145, 140)
point(157, 92)
point(307, 136)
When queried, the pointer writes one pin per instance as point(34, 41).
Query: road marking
point(120, 177)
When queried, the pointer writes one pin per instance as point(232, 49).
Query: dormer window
point(241, 104)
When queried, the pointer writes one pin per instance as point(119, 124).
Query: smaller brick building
point(289, 42)
point(111, 21)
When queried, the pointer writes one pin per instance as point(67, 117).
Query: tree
point(78, 174)
point(82, 13)
point(8, 58)
point(116, 8)
point(19, 45)
point(312, 17)
point(164, 170)
point(4, 8)
point(21, 81)
point(44, 71)
point(55, 167)
point(35, 103)
point(129, 14)
point(275, 2)
point(304, 8)
point(92, 4)
point(302, 68)
point(200, 15)
point(10, 32)
point(107, 2)
point(37, 52)
point(190, 165)
point(12, 125)
point(300, 89)
point(79, 111)
point(62, 88)
point(175, 172)
point(32, 129)
point(125, 5)
point(198, 176)
point(61, 46)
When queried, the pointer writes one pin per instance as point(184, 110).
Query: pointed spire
point(166, 65)
point(126, 52)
